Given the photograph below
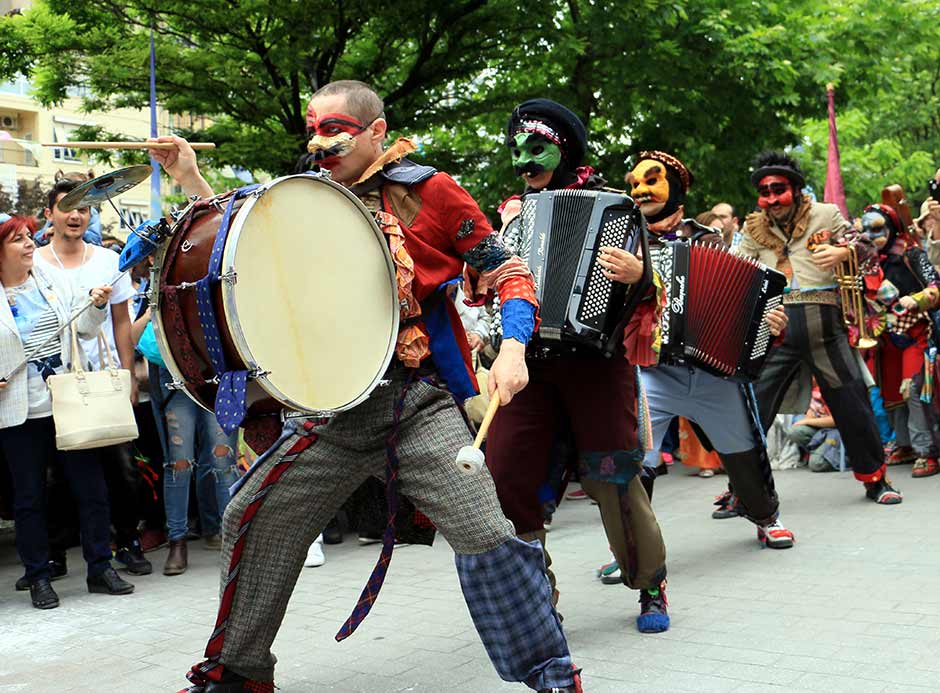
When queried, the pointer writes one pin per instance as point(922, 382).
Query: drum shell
point(342, 244)
point(186, 260)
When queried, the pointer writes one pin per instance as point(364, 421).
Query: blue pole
point(155, 208)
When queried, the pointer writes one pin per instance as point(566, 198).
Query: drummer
point(434, 228)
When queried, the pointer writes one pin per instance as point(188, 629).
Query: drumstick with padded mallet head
point(470, 458)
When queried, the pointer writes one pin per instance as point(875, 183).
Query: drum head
point(315, 303)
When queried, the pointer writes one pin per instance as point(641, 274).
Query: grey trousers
point(310, 488)
point(715, 404)
point(914, 422)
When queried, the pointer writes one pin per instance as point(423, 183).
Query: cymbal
point(99, 189)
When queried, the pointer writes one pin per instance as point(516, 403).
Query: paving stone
point(824, 616)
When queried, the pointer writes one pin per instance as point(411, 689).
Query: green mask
point(534, 154)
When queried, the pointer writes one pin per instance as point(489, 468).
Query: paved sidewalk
point(854, 607)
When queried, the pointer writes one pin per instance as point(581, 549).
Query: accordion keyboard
point(762, 340)
point(616, 227)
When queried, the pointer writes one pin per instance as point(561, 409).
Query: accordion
point(715, 307)
point(559, 234)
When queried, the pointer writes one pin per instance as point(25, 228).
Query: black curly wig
point(777, 163)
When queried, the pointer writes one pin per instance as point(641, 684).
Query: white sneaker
point(315, 557)
point(775, 536)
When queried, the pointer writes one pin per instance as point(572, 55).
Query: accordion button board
point(559, 235)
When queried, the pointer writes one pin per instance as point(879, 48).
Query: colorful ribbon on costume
point(930, 360)
point(413, 342)
point(147, 472)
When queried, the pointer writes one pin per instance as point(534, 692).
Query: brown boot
point(177, 561)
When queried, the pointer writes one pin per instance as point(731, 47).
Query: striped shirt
point(36, 321)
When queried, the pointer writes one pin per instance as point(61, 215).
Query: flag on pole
point(156, 210)
point(835, 190)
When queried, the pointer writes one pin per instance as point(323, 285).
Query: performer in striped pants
point(806, 241)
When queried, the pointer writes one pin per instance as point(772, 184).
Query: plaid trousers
point(311, 486)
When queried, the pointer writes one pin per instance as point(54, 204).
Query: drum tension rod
point(178, 214)
point(230, 277)
point(289, 415)
point(185, 285)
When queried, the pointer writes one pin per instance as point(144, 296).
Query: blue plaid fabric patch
point(510, 601)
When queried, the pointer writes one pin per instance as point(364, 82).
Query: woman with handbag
point(32, 322)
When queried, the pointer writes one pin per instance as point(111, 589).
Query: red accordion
point(715, 309)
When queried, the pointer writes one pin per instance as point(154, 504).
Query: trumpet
point(851, 291)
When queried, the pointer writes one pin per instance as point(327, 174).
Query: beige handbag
point(92, 409)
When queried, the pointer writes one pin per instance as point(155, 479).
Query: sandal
point(902, 454)
point(883, 493)
point(925, 467)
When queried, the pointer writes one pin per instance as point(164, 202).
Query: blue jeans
point(195, 439)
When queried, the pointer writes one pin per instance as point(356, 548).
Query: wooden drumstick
point(470, 458)
point(127, 145)
point(487, 419)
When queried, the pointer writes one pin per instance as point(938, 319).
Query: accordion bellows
point(716, 303)
point(559, 234)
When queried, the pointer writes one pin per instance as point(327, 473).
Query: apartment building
point(25, 124)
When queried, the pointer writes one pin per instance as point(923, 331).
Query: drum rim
point(231, 310)
point(156, 316)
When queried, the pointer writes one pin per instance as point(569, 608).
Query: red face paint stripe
point(341, 121)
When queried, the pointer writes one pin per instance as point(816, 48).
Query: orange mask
point(648, 186)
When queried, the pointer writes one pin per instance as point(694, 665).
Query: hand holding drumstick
point(180, 163)
point(470, 458)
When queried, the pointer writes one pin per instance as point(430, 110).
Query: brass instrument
point(852, 292)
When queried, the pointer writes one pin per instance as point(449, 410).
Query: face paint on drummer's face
point(875, 227)
point(775, 194)
point(534, 158)
point(332, 134)
point(649, 186)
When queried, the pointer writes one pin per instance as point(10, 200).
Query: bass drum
point(308, 302)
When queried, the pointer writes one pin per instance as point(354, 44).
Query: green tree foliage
point(713, 81)
point(251, 65)
point(30, 199)
point(886, 65)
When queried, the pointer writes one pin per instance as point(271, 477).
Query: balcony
point(17, 153)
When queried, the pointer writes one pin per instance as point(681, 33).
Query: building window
point(62, 132)
point(18, 87)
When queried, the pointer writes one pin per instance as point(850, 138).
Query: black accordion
point(716, 303)
point(559, 234)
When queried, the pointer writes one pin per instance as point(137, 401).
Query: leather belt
point(827, 296)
